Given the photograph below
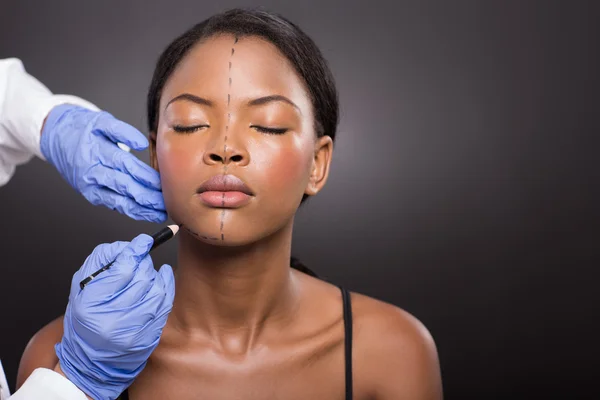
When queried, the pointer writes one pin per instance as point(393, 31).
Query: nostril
point(236, 158)
point(215, 157)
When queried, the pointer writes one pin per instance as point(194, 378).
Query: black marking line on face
point(200, 236)
point(191, 231)
point(225, 139)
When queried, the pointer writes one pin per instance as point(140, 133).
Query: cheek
point(175, 161)
point(287, 168)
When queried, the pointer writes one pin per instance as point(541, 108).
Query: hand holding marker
point(112, 327)
point(158, 238)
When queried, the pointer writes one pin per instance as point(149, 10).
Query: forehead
point(249, 67)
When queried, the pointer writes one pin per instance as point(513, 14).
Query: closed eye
point(272, 131)
point(189, 129)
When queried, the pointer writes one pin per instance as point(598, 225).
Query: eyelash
point(270, 131)
point(188, 129)
point(262, 129)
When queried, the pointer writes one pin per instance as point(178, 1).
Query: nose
point(227, 152)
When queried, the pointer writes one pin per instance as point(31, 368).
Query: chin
point(230, 232)
point(229, 238)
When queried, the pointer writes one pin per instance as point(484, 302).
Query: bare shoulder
point(395, 356)
point(39, 352)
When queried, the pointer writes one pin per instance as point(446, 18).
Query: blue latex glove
point(112, 326)
point(81, 144)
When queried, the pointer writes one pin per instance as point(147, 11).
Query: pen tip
point(174, 228)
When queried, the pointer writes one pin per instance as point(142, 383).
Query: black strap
point(347, 341)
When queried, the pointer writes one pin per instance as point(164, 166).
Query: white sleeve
point(24, 104)
point(46, 384)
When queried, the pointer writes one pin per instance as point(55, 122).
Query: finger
point(126, 264)
point(157, 297)
point(167, 278)
point(137, 249)
point(120, 132)
point(104, 254)
point(112, 156)
point(101, 256)
point(146, 272)
point(124, 205)
point(162, 292)
point(125, 185)
point(133, 292)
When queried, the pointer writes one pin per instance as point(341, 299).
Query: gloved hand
point(112, 326)
point(81, 144)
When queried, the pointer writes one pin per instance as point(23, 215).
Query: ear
point(320, 166)
point(152, 150)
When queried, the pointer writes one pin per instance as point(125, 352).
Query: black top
point(347, 309)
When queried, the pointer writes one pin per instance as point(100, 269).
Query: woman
point(242, 112)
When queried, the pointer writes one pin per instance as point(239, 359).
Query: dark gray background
point(465, 182)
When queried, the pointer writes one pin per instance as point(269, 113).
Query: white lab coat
point(24, 104)
point(45, 384)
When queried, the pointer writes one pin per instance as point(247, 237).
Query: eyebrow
point(276, 97)
point(192, 98)
point(254, 102)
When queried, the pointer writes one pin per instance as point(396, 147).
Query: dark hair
point(294, 44)
point(291, 41)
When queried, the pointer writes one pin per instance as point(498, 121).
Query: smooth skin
point(244, 324)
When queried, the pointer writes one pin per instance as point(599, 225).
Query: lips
point(224, 183)
point(225, 191)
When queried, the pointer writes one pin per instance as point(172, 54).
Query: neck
point(233, 291)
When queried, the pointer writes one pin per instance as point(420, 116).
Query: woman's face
point(235, 145)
